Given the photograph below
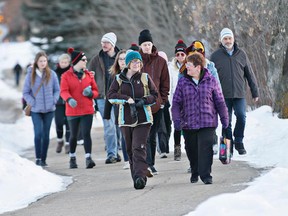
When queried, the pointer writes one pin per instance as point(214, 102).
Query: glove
point(87, 92)
point(177, 125)
point(72, 102)
point(133, 111)
point(140, 103)
point(225, 133)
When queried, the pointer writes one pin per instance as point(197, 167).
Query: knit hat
point(76, 56)
point(110, 37)
point(196, 46)
point(134, 47)
point(226, 32)
point(132, 55)
point(145, 36)
point(180, 46)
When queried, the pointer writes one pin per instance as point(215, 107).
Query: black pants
point(199, 150)
point(177, 138)
point(151, 143)
point(136, 143)
point(164, 131)
point(85, 125)
point(60, 122)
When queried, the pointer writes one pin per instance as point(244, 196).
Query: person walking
point(135, 92)
point(196, 104)
point(41, 91)
point(17, 72)
point(79, 89)
point(101, 63)
point(157, 68)
point(234, 69)
point(115, 69)
point(174, 67)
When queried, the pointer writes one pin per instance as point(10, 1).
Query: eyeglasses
point(135, 62)
point(180, 54)
point(84, 59)
point(197, 50)
point(121, 59)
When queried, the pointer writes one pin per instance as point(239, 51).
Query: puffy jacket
point(46, 97)
point(197, 106)
point(133, 88)
point(72, 87)
point(59, 71)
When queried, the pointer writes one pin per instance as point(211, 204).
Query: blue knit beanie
point(132, 55)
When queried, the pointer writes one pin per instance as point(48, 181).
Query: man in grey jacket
point(234, 69)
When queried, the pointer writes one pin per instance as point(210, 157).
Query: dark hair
point(35, 66)
point(197, 59)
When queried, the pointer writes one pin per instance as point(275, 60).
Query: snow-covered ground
point(266, 143)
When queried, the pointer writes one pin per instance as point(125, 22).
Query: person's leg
point(37, 126)
point(162, 137)
point(59, 123)
point(127, 134)
point(177, 145)
point(85, 128)
point(168, 123)
point(74, 125)
point(47, 120)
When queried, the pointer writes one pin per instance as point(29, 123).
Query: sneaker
point(110, 160)
point(207, 180)
point(126, 165)
point(149, 173)
point(67, 149)
point(139, 183)
point(194, 178)
point(59, 146)
point(154, 171)
point(118, 159)
point(177, 153)
point(73, 164)
point(38, 162)
point(189, 170)
point(240, 148)
point(89, 163)
point(163, 155)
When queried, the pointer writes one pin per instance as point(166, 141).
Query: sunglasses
point(197, 50)
point(180, 54)
point(84, 59)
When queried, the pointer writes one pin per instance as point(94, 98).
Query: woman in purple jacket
point(197, 101)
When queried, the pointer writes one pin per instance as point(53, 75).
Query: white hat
point(110, 37)
point(226, 32)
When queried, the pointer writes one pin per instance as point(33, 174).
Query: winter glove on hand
point(140, 103)
point(177, 125)
point(133, 111)
point(72, 102)
point(87, 92)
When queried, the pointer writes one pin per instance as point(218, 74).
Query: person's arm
point(164, 86)
point(250, 76)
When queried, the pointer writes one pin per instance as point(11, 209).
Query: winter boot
point(240, 148)
point(89, 163)
point(59, 146)
point(67, 148)
point(139, 183)
point(73, 164)
point(177, 153)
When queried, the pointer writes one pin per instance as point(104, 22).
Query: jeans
point(42, 124)
point(110, 136)
point(239, 107)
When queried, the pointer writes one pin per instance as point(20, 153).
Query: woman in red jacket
point(78, 89)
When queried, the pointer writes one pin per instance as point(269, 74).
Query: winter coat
point(59, 71)
point(46, 97)
point(133, 88)
point(174, 77)
point(196, 106)
point(72, 87)
point(234, 71)
point(156, 67)
point(97, 65)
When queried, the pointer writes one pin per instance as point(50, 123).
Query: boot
point(177, 152)
point(240, 148)
point(67, 148)
point(89, 163)
point(59, 146)
point(73, 164)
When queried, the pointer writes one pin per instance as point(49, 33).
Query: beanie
point(134, 47)
point(196, 46)
point(132, 55)
point(145, 36)
point(76, 56)
point(110, 37)
point(226, 32)
point(180, 46)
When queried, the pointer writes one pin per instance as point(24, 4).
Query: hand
point(140, 103)
point(130, 101)
point(72, 102)
point(87, 91)
point(92, 73)
point(256, 99)
point(177, 125)
point(133, 111)
point(225, 133)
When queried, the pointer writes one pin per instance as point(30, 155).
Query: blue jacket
point(46, 97)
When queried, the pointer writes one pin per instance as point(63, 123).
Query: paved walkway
point(108, 189)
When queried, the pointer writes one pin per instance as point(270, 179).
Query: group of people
point(133, 90)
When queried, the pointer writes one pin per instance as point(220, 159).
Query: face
point(82, 63)
point(42, 62)
point(180, 56)
point(228, 42)
point(135, 65)
point(64, 63)
point(192, 70)
point(121, 61)
point(106, 46)
point(147, 47)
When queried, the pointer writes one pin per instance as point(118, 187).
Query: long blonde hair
point(47, 70)
point(115, 68)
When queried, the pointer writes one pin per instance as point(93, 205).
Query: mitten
point(87, 92)
point(72, 102)
point(140, 103)
point(177, 125)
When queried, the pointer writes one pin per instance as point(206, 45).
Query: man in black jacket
point(234, 69)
